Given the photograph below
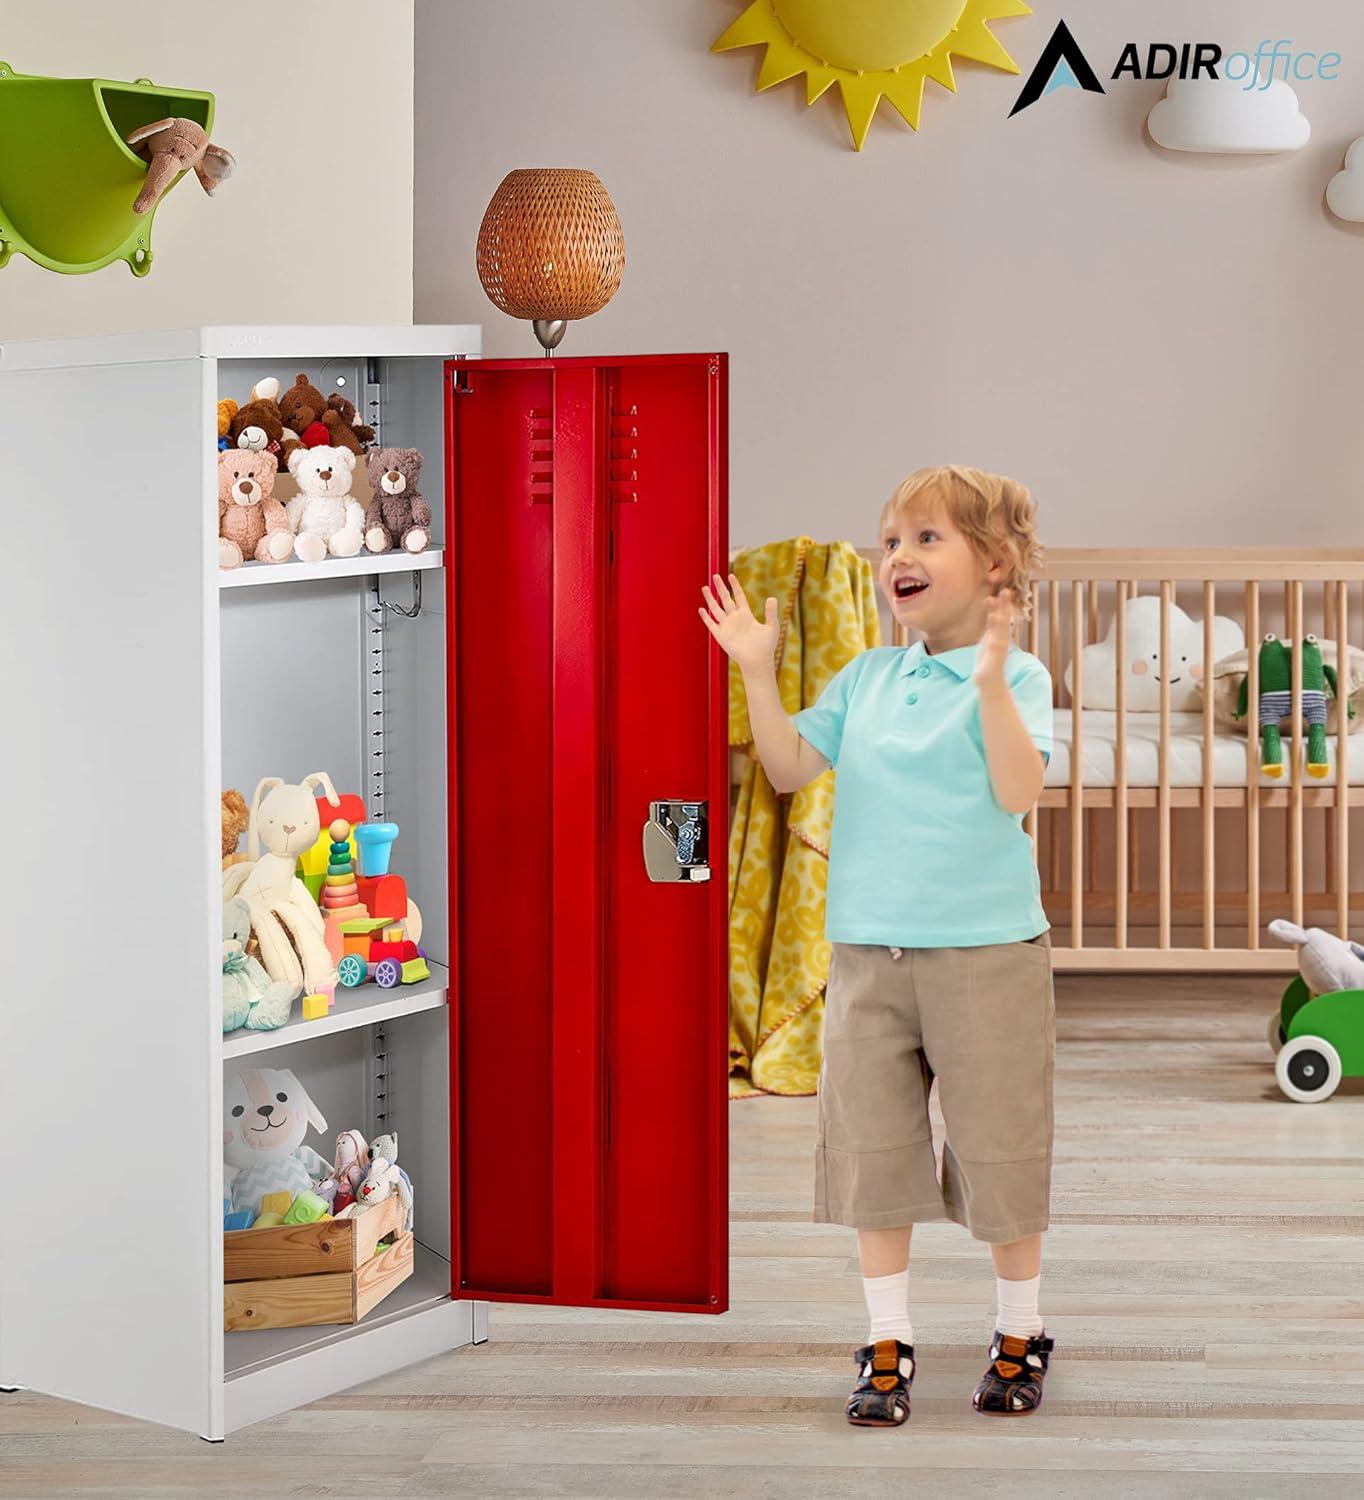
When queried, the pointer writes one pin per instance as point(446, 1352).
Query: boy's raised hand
point(745, 639)
point(994, 644)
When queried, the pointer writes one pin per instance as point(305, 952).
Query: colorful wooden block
point(307, 1208)
point(276, 1203)
point(315, 1007)
point(268, 1221)
point(241, 1219)
point(384, 896)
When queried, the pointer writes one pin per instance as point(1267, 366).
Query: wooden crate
point(298, 1274)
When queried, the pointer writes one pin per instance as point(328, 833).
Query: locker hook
point(408, 614)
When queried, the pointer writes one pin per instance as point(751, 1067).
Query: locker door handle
point(675, 841)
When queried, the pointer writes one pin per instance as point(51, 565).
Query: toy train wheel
point(1276, 1036)
point(352, 970)
point(1308, 1069)
point(388, 973)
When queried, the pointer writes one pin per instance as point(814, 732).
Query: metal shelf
point(367, 564)
point(364, 1006)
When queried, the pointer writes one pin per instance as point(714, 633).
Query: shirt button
point(913, 698)
point(925, 670)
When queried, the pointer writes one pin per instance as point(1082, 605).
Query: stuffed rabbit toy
point(383, 1180)
point(348, 1170)
point(1326, 962)
point(266, 1114)
point(288, 924)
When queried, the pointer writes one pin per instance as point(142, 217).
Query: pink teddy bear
point(251, 522)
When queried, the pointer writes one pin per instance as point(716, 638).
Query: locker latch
point(675, 844)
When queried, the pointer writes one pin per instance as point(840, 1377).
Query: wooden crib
point(1139, 872)
point(1179, 851)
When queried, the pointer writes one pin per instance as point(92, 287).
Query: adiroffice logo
point(1063, 65)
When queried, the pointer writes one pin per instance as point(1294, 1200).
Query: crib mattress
point(1100, 752)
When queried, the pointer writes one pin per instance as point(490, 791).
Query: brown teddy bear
point(317, 421)
point(236, 820)
point(258, 428)
point(345, 409)
point(398, 516)
point(251, 522)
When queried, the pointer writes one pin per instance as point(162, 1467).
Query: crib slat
point(1253, 765)
point(1163, 794)
point(1209, 807)
point(1342, 808)
point(1120, 771)
point(1077, 778)
point(1295, 784)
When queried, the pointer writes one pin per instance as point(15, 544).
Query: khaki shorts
point(983, 1022)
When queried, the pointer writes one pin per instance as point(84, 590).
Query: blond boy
point(940, 960)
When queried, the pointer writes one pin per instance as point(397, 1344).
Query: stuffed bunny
point(250, 997)
point(288, 924)
point(266, 1114)
point(387, 1147)
point(1326, 962)
point(348, 1170)
point(383, 1180)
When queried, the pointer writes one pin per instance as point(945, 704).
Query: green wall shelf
point(67, 180)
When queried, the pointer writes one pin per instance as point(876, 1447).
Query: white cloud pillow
point(1142, 665)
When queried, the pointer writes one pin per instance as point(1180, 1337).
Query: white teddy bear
point(324, 516)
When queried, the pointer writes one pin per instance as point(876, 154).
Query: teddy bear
point(345, 409)
point(258, 426)
point(316, 421)
point(250, 997)
point(227, 409)
point(398, 516)
point(324, 516)
point(236, 819)
point(251, 522)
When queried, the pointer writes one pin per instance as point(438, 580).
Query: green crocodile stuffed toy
point(1276, 697)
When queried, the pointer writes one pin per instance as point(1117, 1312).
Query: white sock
point(1018, 1307)
point(888, 1307)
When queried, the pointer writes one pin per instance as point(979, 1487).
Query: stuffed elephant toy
point(1326, 963)
point(250, 997)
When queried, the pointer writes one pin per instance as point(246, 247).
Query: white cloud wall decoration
point(1222, 114)
point(1345, 191)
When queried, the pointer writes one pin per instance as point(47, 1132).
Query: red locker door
point(586, 505)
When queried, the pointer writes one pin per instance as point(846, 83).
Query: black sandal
point(881, 1396)
point(1012, 1386)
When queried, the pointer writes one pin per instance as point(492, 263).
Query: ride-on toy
point(1317, 1032)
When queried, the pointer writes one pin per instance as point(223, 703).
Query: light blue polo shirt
point(921, 854)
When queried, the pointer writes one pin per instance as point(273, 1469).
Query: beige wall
point(316, 225)
point(1166, 348)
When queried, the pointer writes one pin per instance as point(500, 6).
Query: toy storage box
point(558, 1092)
point(298, 1275)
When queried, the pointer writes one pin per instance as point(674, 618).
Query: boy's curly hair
point(997, 516)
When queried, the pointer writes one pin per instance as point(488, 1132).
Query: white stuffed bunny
point(287, 921)
point(266, 1114)
point(324, 516)
point(1326, 962)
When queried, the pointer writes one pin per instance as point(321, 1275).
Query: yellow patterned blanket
point(779, 845)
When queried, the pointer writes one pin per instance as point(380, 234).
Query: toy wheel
point(1276, 1036)
point(351, 970)
point(388, 973)
point(1308, 1069)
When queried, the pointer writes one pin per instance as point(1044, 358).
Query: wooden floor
point(1204, 1279)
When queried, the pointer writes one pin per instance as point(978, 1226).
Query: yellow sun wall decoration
point(871, 48)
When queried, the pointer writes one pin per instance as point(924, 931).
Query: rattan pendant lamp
point(550, 248)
